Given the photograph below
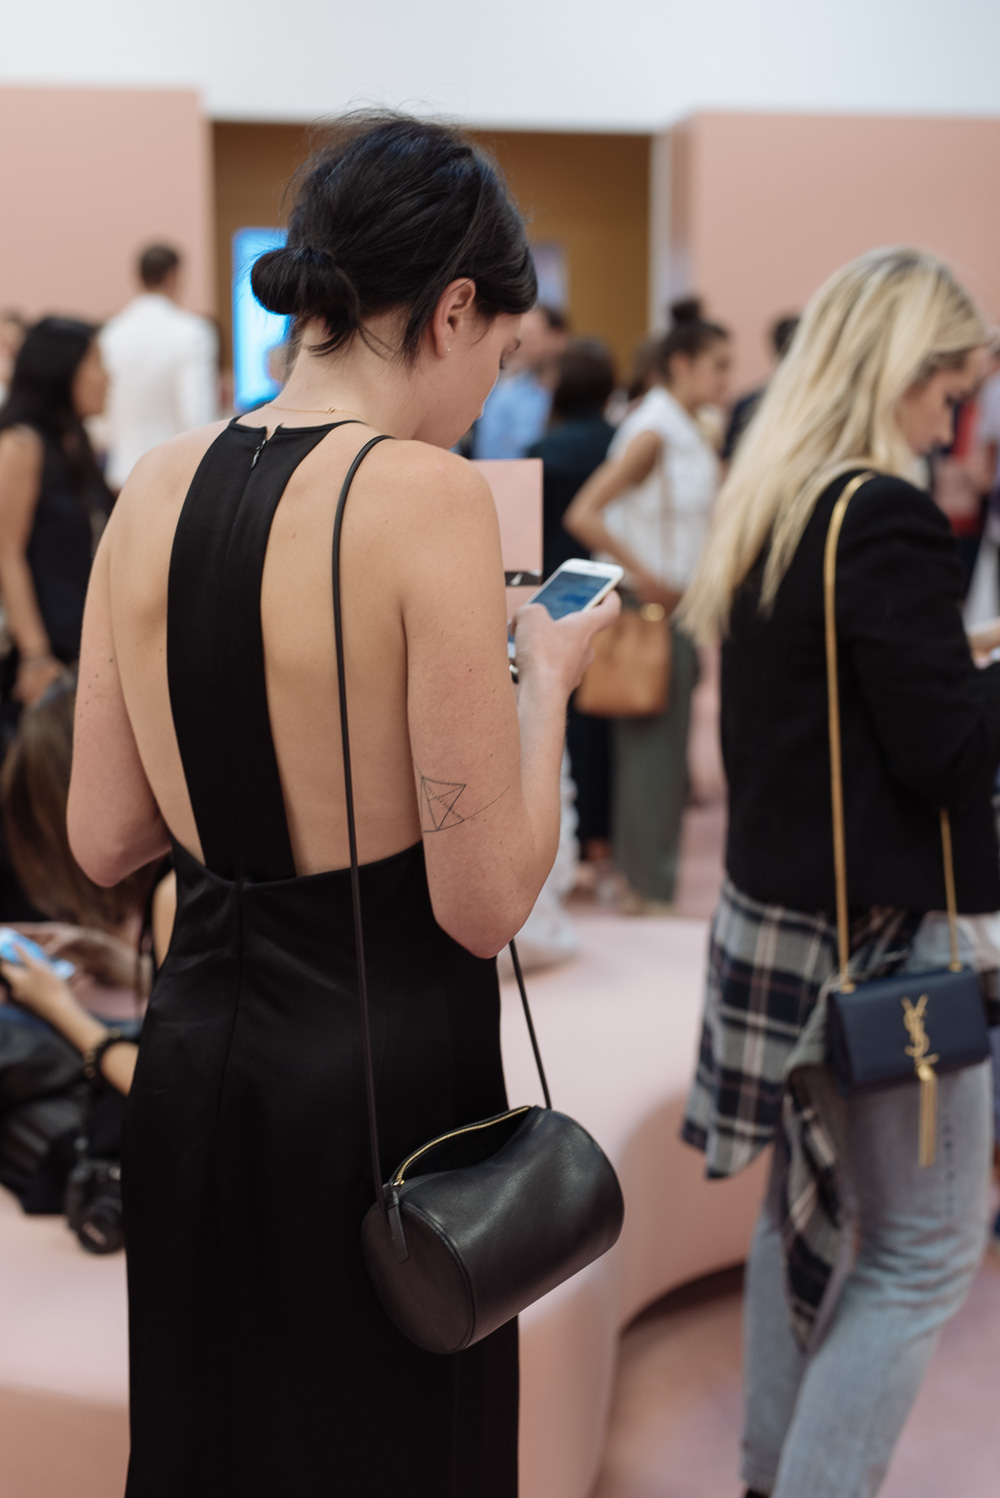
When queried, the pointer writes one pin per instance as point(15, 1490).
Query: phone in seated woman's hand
point(33, 979)
point(100, 954)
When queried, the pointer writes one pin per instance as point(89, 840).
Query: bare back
point(442, 749)
point(297, 623)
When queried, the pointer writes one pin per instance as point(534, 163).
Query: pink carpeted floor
point(675, 1422)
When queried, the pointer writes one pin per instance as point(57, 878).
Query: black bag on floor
point(43, 1103)
point(46, 1106)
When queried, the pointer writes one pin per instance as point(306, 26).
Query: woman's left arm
point(113, 820)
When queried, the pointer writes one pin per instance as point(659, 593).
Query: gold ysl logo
point(913, 1019)
point(923, 1065)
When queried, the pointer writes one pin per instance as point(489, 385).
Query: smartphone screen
point(567, 592)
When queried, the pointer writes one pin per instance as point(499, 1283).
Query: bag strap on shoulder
point(836, 756)
point(352, 842)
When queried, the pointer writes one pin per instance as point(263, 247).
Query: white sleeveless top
point(664, 520)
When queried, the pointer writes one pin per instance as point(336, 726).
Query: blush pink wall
point(87, 177)
point(766, 206)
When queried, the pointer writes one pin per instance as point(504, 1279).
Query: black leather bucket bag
point(474, 1226)
point(912, 1026)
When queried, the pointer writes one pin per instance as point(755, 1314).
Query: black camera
point(94, 1202)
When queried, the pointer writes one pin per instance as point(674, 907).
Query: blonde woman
point(860, 1256)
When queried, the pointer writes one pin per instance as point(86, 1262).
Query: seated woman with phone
point(208, 722)
point(84, 972)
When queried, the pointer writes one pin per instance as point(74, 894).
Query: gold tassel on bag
point(923, 1065)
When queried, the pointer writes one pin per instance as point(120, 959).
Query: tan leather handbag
point(630, 674)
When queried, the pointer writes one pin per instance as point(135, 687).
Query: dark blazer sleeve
point(936, 715)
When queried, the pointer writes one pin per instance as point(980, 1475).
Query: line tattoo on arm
point(439, 804)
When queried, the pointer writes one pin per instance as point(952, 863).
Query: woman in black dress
point(207, 722)
point(53, 499)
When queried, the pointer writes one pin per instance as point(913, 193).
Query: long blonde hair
point(878, 327)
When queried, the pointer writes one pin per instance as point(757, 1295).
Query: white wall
point(629, 65)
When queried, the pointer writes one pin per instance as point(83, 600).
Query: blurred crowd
point(631, 470)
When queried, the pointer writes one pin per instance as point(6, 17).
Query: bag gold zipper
point(455, 1133)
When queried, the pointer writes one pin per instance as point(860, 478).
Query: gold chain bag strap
point(915, 1025)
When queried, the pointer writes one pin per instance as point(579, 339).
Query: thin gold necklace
point(313, 410)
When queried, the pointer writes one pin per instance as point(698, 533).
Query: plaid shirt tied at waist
point(769, 971)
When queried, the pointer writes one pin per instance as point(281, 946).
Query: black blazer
point(920, 723)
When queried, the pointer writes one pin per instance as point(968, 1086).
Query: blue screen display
point(256, 332)
point(565, 592)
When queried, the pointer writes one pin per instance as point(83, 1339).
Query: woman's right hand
point(37, 987)
point(99, 954)
point(983, 640)
point(35, 676)
point(560, 649)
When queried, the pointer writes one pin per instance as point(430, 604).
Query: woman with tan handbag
point(861, 746)
point(648, 508)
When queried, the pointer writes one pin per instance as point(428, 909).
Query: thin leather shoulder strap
point(352, 841)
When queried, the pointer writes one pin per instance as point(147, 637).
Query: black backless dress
point(262, 1365)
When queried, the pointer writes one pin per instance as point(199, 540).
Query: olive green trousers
point(650, 781)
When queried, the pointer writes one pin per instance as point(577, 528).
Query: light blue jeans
point(824, 1423)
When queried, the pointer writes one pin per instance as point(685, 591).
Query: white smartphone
point(577, 585)
point(574, 586)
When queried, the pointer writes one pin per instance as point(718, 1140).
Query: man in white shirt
point(163, 364)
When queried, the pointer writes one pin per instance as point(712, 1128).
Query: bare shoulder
point(430, 515)
point(164, 473)
point(437, 484)
point(21, 446)
point(439, 510)
point(171, 461)
point(640, 444)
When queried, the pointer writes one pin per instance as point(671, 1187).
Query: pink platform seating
point(618, 1028)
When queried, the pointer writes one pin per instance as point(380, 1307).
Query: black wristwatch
point(92, 1059)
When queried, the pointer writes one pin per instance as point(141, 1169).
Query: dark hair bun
point(277, 280)
point(386, 214)
point(690, 333)
point(300, 281)
point(687, 311)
